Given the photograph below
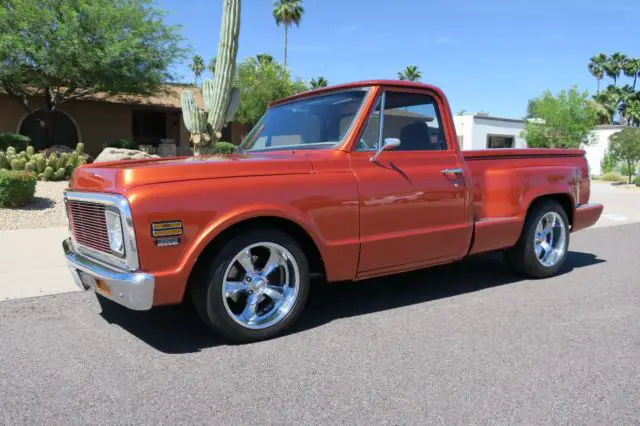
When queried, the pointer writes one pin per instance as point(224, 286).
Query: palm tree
point(319, 82)
point(614, 64)
point(287, 12)
point(606, 103)
point(264, 58)
point(410, 73)
point(633, 112)
point(631, 68)
point(197, 66)
point(212, 65)
point(625, 95)
point(596, 67)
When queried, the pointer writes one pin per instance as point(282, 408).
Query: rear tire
point(255, 286)
point(542, 247)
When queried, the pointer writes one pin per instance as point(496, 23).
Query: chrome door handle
point(458, 171)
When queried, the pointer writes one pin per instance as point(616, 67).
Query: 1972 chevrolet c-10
point(348, 182)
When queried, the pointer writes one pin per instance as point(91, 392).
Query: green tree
point(597, 67)
point(265, 58)
point(531, 106)
point(613, 66)
point(197, 66)
point(633, 112)
point(52, 51)
point(631, 68)
point(261, 84)
point(319, 82)
point(410, 73)
point(287, 13)
point(562, 121)
point(625, 95)
point(624, 146)
point(606, 105)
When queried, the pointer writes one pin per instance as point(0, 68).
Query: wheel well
point(316, 264)
point(563, 199)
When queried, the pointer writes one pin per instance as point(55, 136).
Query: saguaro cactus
point(206, 125)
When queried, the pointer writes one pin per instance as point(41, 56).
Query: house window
point(500, 141)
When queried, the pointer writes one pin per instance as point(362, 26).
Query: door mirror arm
point(389, 143)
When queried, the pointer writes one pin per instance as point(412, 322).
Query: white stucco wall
point(474, 130)
point(599, 144)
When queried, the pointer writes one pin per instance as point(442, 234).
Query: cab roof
point(358, 84)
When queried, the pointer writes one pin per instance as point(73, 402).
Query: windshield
point(319, 122)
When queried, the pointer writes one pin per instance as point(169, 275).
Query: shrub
point(16, 140)
point(122, 144)
point(637, 181)
point(224, 148)
point(16, 188)
point(613, 177)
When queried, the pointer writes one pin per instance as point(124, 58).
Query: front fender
point(240, 214)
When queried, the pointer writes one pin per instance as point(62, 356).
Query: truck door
point(413, 200)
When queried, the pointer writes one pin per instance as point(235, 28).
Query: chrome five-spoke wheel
point(542, 247)
point(253, 285)
point(261, 285)
point(550, 239)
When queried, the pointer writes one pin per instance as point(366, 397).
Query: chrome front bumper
point(133, 290)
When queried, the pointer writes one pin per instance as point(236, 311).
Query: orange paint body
point(366, 218)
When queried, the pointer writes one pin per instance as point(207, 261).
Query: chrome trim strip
point(131, 261)
point(132, 290)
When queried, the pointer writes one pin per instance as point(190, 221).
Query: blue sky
point(490, 55)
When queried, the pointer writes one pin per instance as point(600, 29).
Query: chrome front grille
point(88, 225)
point(88, 228)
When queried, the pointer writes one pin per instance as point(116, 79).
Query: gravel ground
point(45, 211)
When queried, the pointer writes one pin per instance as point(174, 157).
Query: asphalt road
point(463, 344)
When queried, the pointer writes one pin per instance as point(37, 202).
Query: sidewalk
point(32, 263)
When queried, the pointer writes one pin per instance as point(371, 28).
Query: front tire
point(542, 247)
point(255, 287)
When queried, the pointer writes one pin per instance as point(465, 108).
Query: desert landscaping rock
point(116, 154)
point(45, 211)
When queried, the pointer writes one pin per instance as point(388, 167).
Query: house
point(482, 131)
point(101, 117)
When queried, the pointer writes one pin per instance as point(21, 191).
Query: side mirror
point(389, 143)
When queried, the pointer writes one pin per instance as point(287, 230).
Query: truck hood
point(118, 176)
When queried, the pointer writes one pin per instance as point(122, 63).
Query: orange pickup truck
point(347, 182)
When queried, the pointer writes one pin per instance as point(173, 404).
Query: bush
point(224, 148)
point(637, 181)
point(612, 177)
point(121, 143)
point(16, 188)
point(18, 141)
